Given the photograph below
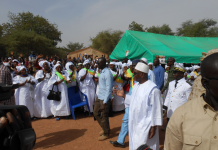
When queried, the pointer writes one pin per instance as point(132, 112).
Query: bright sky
point(79, 20)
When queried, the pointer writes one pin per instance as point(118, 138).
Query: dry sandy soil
point(81, 134)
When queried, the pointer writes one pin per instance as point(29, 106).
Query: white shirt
point(177, 96)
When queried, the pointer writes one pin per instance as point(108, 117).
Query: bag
point(56, 96)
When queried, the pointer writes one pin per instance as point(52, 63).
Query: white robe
point(118, 102)
point(24, 94)
point(59, 108)
point(87, 86)
point(42, 106)
point(145, 111)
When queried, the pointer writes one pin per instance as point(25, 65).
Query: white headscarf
point(166, 66)
point(145, 60)
point(21, 67)
point(86, 62)
point(129, 63)
point(68, 64)
point(16, 60)
point(124, 65)
point(195, 67)
point(42, 62)
point(54, 69)
point(6, 64)
point(112, 63)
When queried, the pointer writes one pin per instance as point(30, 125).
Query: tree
point(106, 40)
point(21, 41)
point(1, 31)
point(136, 27)
point(203, 28)
point(75, 46)
point(164, 29)
point(27, 21)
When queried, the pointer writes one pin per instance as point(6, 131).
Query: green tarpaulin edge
point(148, 45)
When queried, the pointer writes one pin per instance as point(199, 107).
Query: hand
point(152, 132)
point(62, 80)
point(119, 92)
point(102, 107)
point(162, 91)
point(124, 71)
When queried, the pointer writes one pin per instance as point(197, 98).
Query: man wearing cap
point(178, 92)
point(193, 126)
point(145, 110)
point(124, 127)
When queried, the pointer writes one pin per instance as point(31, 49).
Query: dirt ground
point(81, 134)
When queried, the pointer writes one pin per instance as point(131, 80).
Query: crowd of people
point(145, 90)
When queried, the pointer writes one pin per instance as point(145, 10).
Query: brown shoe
point(103, 137)
point(101, 133)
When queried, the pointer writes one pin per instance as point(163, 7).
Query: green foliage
point(75, 46)
point(203, 28)
point(1, 31)
point(21, 41)
point(27, 21)
point(136, 27)
point(106, 40)
point(164, 29)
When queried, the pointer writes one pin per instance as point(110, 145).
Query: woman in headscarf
point(59, 108)
point(24, 94)
point(117, 101)
point(71, 74)
point(194, 74)
point(86, 84)
point(42, 106)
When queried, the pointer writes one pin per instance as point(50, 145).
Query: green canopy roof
point(148, 45)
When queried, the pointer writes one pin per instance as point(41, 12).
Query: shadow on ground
point(59, 138)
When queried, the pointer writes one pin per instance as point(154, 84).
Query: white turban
point(9, 58)
point(58, 62)
point(68, 64)
point(42, 62)
point(142, 67)
point(86, 62)
point(79, 64)
point(150, 63)
point(145, 60)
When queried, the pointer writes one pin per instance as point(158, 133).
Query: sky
point(79, 20)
